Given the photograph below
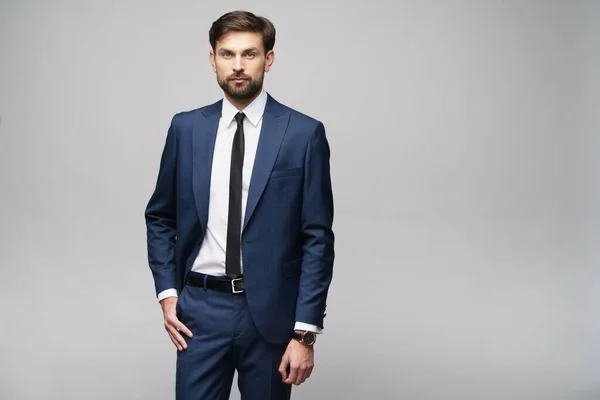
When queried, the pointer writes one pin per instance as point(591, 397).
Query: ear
point(269, 59)
point(211, 58)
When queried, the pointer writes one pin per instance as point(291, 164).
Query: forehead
point(240, 41)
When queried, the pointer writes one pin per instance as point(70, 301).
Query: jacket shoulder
point(185, 119)
point(307, 122)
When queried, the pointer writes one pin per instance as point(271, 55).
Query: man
point(239, 229)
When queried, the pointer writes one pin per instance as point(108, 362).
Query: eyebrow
point(245, 51)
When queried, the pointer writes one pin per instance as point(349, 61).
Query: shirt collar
point(254, 111)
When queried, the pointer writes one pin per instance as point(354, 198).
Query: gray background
point(464, 141)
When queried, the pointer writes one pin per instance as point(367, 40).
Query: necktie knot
point(239, 117)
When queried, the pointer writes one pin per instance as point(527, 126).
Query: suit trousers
point(225, 340)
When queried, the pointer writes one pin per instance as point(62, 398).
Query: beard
point(244, 91)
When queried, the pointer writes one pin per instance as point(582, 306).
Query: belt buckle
point(233, 289)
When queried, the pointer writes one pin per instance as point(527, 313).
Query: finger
point(306, 372)
point(283, 366)
point(177, 339)
point(178, 325)
point(177, 336)
point(309, 372)
point(174, 340)
point(184, 329)
point(301, 377)
point(293, 374)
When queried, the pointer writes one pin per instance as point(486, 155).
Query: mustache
point(237, 76)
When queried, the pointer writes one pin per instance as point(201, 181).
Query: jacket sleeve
point(160, 215)
point(318, 236)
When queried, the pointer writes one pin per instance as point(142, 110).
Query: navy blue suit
point(287, 237)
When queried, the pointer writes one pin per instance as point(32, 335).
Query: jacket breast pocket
point(282, 173)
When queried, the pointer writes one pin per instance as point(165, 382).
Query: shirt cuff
point(307, 327)
point(167, 293)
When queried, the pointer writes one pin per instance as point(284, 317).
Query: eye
point(250, 55)
point(226, 54)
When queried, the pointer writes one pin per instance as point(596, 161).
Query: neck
point(240, 104)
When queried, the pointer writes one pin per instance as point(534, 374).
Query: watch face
point(309, 338)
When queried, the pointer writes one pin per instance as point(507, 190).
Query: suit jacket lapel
point(273, 129)
point(203, 142)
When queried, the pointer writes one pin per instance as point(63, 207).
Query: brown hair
point(242, 21)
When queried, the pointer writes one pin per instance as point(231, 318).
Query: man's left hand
point(300, 359)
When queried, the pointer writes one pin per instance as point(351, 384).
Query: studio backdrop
point(464, 153)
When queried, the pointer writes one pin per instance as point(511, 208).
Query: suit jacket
point(287, 236)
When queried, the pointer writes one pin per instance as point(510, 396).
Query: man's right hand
point(172, 323)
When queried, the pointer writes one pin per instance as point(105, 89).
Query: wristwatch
point(307, 338)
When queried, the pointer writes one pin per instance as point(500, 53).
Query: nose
point(238, 65)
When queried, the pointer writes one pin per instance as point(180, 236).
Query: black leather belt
point(222, 284)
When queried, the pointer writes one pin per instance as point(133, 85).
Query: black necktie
point(234, 221)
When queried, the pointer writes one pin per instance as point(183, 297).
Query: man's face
point(240, 63)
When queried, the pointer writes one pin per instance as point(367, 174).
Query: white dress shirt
point(211, 257)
